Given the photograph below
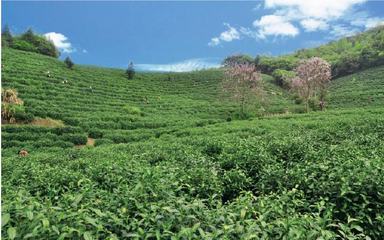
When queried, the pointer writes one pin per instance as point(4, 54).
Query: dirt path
point(90, 142)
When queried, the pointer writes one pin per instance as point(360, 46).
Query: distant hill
point(346, 55)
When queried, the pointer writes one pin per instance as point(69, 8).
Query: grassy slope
point(361, 89)
point(103, 99)
point(306, 175)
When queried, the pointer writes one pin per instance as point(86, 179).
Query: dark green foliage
point(235, 181)
point(99, 142)
point(23, 45)
point(28, 36)
point(269, 64)
point(6, 37)
point(130, 71)
point(237, 59)
point(283, 77)
point(31, 42)
point(23, 117)
point(77, 139)
point(68, 62)
point(212, 149)
point(95, 133)
point(347, 55)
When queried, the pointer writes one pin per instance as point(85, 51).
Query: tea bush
point(76, 139)
point(95, 133)
point(179, 169)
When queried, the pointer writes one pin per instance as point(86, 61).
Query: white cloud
point(324, 9)
point(258, 6)
point(85, 51)
point(60, 41)
point(227, 36)
point(374, 22)
point(289, 17)
point(368, 22)
point(275, 25)
point(214, 41)
point(184, 66)
point(313, 43)
point(311, 25)
point(312, 15)
point(343, 31)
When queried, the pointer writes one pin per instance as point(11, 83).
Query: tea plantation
point(171, 159)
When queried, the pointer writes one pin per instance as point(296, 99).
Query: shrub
point(71, 121)
point(130, 71)
point(132, 110)
point(68, 62)
point(11, 143)
point(66, 130)
point(77, 139)
point(63, 144)
point(235, 181)
point(105, 141)
point(23, 45)
point(95, 133)
point(23, 117)
point(212, 149)
point(283, 77)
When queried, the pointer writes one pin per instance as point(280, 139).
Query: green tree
point(237, 59)
point(68, 62)
point(28, 36)
point(6, 37)
point(130, 71)
point(29, 41)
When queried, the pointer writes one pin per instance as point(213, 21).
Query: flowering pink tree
point(243, 82)
point(313, 76)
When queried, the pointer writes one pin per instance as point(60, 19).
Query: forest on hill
point(346, 55)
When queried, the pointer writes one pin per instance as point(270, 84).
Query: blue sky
point(182, 36)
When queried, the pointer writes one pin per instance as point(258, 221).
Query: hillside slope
point(363, 89)
point(183, 169)
point(346, 55)
point(91, 99)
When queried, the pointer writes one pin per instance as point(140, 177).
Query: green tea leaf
point(11, 233)
point(5, 219)
point(87, 236)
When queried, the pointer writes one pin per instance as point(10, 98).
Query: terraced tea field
point(362, 89)
point(171, 161)
point(90, 98)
